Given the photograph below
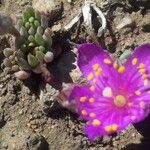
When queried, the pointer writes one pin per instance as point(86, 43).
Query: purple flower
point(117, 95)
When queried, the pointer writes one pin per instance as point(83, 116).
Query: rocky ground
point(31, 118)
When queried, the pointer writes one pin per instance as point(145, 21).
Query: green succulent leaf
point(39, 56)
point(32, 60)
point(31, 44)
point(42, 48)
point(25, 17)
point(30, 11)
point(20, 53)
point(23, 32)
point(48, 41)
point(40, 30)
point(7, 62)
point(47, 37)
point(44, 21)
point(12, 57)
point(31, 19)
point(37, 15)
point(7, 52)
point(15, 68)
point(36, 23)
point(39, 39)
point(13, 62)
point(27, 25)
point(23, 63)
point(32, 25)
point(31, 38)
point(31, 31)
point(36, 48)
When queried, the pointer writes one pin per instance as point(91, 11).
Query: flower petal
point(96, 66)
point(103, 118)
point(137, 68)
point(107, 120)
point(82, 96)
point(104, 114)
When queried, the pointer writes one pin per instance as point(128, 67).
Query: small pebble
point(23, 3)
point(21, 112)
point(126, 21)
point(69, 1)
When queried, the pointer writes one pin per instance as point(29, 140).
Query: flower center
point(120, 100)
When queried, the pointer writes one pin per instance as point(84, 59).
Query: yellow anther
point(84, 113)
point(91, 100)
point(95, 66)
point(134, 61)
point(107, 61)
point(142, 104)
point(108, 128)
point(115, 65)
point(92, 115)
point(94, 81)
point(92, 88)
point(144, 76)
point(96, 122)
point(114, 127)
point(141, 65)
point(130, 104)
point(120, 100)
point(146, 82)
point(111, 128)
point(133, 118)
point(83, 99)
point(142, 71)
point(138, 93)
point(90, 76)
point(121, 69)
point(98, 72)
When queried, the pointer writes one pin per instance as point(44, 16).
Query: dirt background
point(31, 118)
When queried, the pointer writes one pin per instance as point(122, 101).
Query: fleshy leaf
point(39, 56)
point(23, 31)
point(44, 21)
point(7, 52)
point(40, 30)
point(39, 39)
point(36, 23)
point(32, 60)
point(37, 15)
point(30, 11)
point(7, 62)
point(23, 63)
point(31, 31)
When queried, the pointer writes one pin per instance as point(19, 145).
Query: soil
point(31, 118)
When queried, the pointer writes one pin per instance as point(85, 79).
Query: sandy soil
point(29, 122)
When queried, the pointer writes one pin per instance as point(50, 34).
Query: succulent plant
point(35, 40)
point(33, 46)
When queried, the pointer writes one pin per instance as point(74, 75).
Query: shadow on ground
point(144, 129)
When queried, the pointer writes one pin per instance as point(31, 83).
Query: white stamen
point(107, 92)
